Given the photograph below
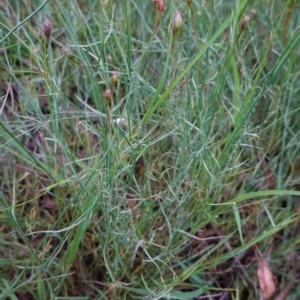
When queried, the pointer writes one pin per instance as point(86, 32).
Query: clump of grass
point(144, 160)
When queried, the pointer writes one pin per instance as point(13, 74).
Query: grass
point(140, 160)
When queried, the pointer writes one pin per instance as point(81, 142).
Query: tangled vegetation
point(149, 149)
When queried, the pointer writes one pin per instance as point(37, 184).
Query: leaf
point(266, 280)
point(186, 295)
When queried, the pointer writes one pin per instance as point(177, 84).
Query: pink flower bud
point(177, 24)
point(108, 95)
point(245, 22)
point(47, 28)
point(160, 5)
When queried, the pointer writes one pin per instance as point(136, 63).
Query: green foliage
point(137, 163)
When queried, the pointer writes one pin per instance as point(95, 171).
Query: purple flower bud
point(47, 28)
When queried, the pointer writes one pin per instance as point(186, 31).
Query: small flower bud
point(113, 80)
point(245, 22)
point(253, 13)
point(176, 28)
point(160, 5)
point(109, 59)
point(47, 28)
point(177, 24)
point(108, 95)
